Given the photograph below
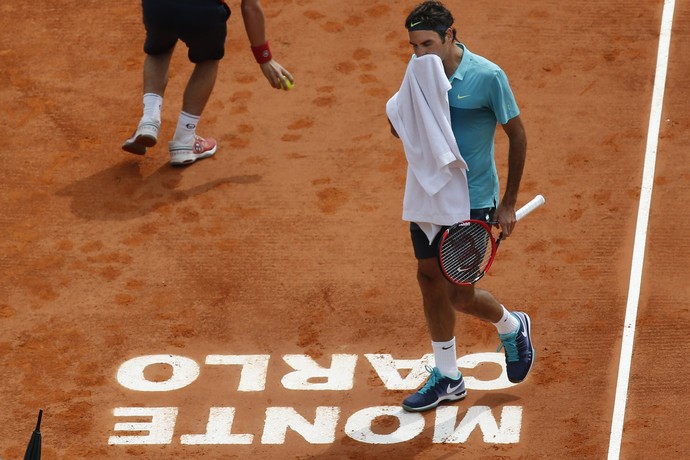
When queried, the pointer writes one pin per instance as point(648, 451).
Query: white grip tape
point(529, 207)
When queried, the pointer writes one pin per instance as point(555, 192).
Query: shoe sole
point(450, 398)
point(186, 160)
point(528, 324)
point(139, 144)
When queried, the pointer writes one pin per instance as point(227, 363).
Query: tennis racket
point(468, 248)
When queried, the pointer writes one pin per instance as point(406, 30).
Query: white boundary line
point(641, 233)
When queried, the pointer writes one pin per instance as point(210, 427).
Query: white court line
point(641, 233)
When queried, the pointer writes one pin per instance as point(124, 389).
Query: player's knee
point(462, 299)
point(430, 284)
point(428, 277)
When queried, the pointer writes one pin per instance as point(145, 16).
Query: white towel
point(436, 191)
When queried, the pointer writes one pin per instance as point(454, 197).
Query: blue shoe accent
point(518, 349)
point(438, 388)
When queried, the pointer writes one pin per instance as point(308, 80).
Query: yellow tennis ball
point(287, 84)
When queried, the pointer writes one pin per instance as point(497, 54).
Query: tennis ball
point(287, 84)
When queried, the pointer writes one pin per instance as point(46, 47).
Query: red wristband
point(262, 53)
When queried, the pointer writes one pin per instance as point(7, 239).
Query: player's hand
point(276, 73)
point(505, 216)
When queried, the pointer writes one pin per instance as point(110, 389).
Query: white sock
point(446, 358)
point(152, 107)
point(508, 323)
point(186, 128)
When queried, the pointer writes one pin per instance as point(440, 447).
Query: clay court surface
point(289, 242)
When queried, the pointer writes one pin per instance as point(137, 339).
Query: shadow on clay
point(122, 192)
point(495, 400)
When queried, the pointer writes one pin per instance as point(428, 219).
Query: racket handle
point(529, 207)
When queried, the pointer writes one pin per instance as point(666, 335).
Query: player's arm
point(255, 26)
point(517, 152)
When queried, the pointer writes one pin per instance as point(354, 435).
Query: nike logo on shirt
point(463, 97)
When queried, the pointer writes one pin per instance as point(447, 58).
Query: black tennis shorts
point(420, 243)
point(200, 24)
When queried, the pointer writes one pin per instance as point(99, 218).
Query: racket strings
point(466, 251)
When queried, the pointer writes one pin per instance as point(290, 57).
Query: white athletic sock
point(508, 323)
point(186, 128)
point(152, 107)
point(446, 358)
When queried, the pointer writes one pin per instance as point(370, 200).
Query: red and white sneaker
point(145, 136)
point(185, 154)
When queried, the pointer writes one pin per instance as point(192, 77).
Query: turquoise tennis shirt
point(480, 98)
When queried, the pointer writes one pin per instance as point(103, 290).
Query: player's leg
point(158, 46)
point(476, 302)
point(445, 381)
point(155, 82)
point(156, 72)
point(438, 310)
point(514, 328)
point(199, 87)
point(205, 36)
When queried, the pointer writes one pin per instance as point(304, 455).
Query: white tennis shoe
point(185, 154)
point(145, 136)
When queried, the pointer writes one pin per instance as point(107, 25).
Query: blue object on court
point(518, 349)
point(436, 389)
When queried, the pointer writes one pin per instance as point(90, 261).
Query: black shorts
point(424, 250)
point(200, 24)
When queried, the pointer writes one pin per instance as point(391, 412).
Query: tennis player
point(480, 97)
point(201, 25)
